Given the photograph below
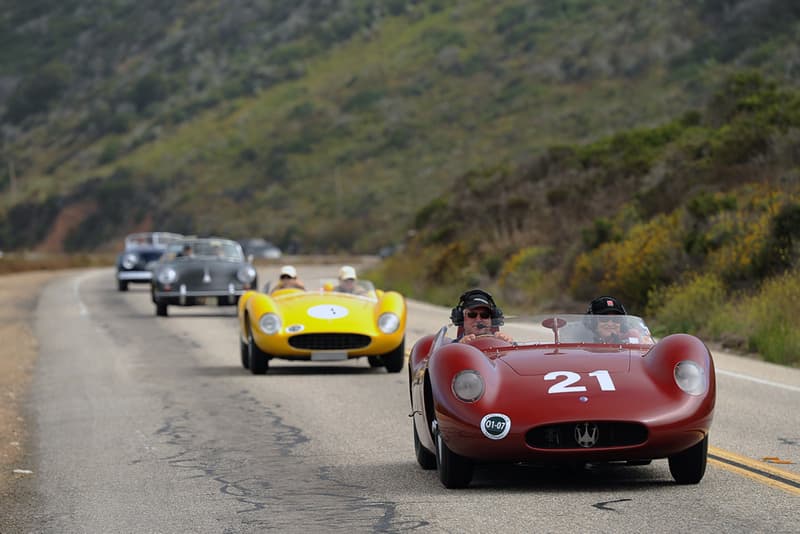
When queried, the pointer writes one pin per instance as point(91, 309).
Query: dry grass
point(17, 262)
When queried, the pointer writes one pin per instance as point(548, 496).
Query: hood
point(540, 361)
point(321, 313)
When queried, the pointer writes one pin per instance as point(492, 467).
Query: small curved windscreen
point(576, 328)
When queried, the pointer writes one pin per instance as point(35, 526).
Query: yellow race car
point(326, 324)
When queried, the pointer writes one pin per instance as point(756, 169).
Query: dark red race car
point(559, 394)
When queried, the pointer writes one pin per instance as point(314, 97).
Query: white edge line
point(76, 284)
point(758, 380)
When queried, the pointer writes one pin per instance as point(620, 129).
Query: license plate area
point(328, 356)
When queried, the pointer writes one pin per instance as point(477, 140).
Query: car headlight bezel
point(269, 323)
point(690, 377)
point(388, 323)
point(468, 386)
point(129, 260)
point(246, 274)
point(167, 276)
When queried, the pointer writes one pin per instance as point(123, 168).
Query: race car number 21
point(570, 381)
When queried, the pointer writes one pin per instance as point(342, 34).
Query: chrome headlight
point(388, 323)
point(270, 323)
point(246, 274)
point(690, 377)
point(129, 260)
point(468, 386)
point(167, 276)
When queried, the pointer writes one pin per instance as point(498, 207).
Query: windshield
point(574, 328)
point(151, 239)
point(363, 288)
point(211, 248)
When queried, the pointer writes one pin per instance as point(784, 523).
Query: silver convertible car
point(199, 270)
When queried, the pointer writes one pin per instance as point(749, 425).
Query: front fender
point(661, 360)
point(659, 363)
point(252, 305)
point(392, 301)
point(241, 312)
point(443, 366)
point(420, 352)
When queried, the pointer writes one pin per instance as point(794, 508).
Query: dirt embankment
point(18, 295)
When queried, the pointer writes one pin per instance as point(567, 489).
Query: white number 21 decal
point(569, 378)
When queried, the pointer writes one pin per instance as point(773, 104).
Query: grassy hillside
point(329, 125)
point(694, 224)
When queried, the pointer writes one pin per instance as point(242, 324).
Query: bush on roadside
point(773, 318)
point(686, 307)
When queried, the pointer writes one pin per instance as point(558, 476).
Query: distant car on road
point(260, 248)
point(202, 269)
point(141, 249)
point(326, 324)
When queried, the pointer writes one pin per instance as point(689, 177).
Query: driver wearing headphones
point(477, 315)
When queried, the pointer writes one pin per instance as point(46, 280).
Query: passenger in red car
point(477, 315)
point(608, 328)
point(612, 327)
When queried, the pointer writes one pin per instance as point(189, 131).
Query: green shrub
point(650, 255)
point(685, 307)
point(523, 275)
point(111, 151)
point(774, 318)
point(36, 93)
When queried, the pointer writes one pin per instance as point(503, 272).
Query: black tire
point(244, 349)
point(394, 360)
point(122, 285)
point(161, 308)
point(689, 466)
point(259, 360)
point(454, 471)
point(425, 458)
point(375, 361)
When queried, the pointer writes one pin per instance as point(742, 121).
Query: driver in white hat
point(288, 279)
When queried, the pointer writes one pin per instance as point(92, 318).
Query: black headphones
point(457, 313)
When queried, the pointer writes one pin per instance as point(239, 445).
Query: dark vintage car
point(199, 271)
point(559, 394)
point(141, 249)
point(260, 248)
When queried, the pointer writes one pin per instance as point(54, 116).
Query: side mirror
point(554, 323)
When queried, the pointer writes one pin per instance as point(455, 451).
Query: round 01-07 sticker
point(495, 425)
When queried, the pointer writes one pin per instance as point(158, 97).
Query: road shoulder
point(18, 349)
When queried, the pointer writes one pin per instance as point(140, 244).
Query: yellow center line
point(758, 471)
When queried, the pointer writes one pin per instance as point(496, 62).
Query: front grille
point(329, 341)
point(610, 434)
point(219, 278)
point(151, 256)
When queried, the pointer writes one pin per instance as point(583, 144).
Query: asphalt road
point(146, 424)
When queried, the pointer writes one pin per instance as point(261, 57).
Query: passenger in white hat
point(347, 281)
point(288, 279)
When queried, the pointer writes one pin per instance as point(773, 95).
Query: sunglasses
point(286, 277)
point(609, 321)
point(483, 314)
